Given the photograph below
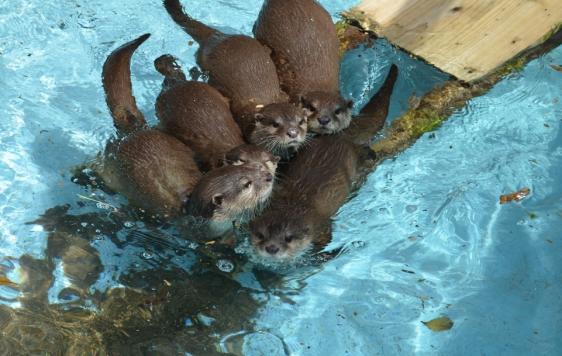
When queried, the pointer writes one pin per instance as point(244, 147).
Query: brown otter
point(156, 171)
point(304, 47)
point(241, 68)
point(247, 188)
point(316, 185)
point(199, 116)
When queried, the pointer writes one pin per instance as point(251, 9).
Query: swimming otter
point(241, 68)
point(215, 198)
point(305, 48)
point(156, 171)
point(199, 116)
point(317, 183)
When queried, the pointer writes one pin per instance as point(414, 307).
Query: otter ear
point(276, 159)
point(217, 199)
point(259, 117)
point(307, 112)
point(349, 104)
point(221, 162)
point(307, 107)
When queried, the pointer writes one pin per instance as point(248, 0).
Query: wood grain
point(466, 38)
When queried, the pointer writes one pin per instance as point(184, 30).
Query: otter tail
point(372, 117)
point(170, 69)
point(116, 78)
point(199, 31)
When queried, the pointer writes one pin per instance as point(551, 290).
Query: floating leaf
point(440, 324)
point(6, 282)
point(517, 196)
point(556, 67)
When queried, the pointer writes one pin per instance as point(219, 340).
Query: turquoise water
point(425, 236)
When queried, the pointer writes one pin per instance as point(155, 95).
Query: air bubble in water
point(225, 265)
point(129, 224)
point(147, 255)
point(102, 206)
point(358, 244)
point(84, 224)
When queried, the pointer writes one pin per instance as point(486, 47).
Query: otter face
point(279, 127)
point(329, 113)
point(230, 192)
point(247, 154)
point(277, 238)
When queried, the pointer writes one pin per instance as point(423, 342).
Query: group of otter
point(216, 151)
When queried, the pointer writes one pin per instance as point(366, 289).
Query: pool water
point(424, 237)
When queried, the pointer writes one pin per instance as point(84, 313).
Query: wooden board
point(466, 38)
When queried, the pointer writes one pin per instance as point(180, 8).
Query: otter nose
point(292, 132)
point(272, 249)
point(268, 177)
point(324, 120)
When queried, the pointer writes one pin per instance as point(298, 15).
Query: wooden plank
point(466, 38)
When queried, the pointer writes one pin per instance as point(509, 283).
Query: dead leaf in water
point(6, 282)
point(440, 324)
point(556, 67)
point(517, 196)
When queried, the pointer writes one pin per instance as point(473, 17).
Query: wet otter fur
point(241, 69)
point(199, 116)
point(156, 171)
point(305, 49)
point(317, 183)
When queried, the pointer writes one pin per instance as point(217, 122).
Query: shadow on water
point(78, 301)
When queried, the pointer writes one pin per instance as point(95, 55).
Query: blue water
point(425, 236)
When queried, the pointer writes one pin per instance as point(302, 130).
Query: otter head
point(281, 235)
point(279, 127)
point(328, 113)
point(230, 192)
point(248, 154)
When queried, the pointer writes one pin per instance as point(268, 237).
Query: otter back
point(303, 39)
point(200, 117)
point(155, 171)
point(238, 66)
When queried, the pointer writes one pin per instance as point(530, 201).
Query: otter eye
point(248, 185)
point(260, 236)
point(338, 111)
point(289, 238)
point(276, 125)
point(310, 107)
point(302, 121)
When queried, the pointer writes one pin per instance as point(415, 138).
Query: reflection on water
point(154, 306)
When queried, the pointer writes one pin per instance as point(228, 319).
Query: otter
point(241, 68)
point(199, 116)
point(317, 183)
point(305, 48)
point(156, 171)
point(219, 199)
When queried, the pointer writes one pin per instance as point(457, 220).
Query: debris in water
point(517, 196)
point(556, 67)
point(440, 324)
point(99, 204)
point(4, 281)
point(225, 265)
